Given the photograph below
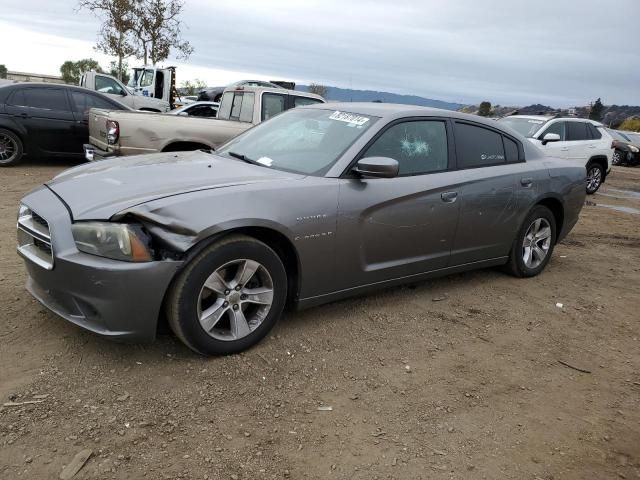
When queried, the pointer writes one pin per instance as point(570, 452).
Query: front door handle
point(449, 197)
point(526, 182)
point(564, 149)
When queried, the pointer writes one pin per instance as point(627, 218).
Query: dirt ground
point(454, 378)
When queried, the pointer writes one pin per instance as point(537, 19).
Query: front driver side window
point(418, 146)
point(558, 128)
point(108, 85)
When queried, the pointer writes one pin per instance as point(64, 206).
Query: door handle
point(22, 115)
point(526, 182)
point(564, 149)
point(449, 197)
point(592, 146)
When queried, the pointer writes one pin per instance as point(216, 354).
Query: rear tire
point(228, 297)
point(533, 246)
point(11, 149)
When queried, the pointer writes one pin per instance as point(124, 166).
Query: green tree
point(484, 110)
point(116, 35)
point(596, 110)
point(318, 89)
point(157, 30)
point(3, 71)
point(71, 71)
point(191, 87)
point(631, 124)
point(120, 71)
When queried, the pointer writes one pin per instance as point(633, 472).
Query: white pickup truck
point(113, 133)
point(156, 101)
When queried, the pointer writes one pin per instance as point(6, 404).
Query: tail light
point(113, 132)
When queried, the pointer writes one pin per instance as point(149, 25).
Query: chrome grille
point(34, 238)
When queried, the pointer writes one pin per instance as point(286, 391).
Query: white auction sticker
point(265, 161)
point(351, 118)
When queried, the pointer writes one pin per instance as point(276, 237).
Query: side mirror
point(550, 137)
point(377, 167)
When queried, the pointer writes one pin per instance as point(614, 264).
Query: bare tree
point(318, 89)
point(115, 36)
point(158, 30)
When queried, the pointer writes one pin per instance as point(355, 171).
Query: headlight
point(118, 241)
point(634, 149)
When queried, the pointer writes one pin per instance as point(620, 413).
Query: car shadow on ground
point(293, 326)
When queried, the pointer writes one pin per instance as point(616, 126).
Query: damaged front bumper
point(117, 299)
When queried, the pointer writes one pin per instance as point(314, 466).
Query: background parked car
point(197, 109)
point(626, 151)
point(571, 138)
point(42, 119)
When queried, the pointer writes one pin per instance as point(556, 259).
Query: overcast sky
point(510, 52)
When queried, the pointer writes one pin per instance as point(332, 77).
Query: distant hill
point(348, 95)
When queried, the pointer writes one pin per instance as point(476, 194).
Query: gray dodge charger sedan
point(316, 204)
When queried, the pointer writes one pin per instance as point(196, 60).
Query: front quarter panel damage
point(303, 211)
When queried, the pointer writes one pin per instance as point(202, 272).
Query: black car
point(40, 119)
point(214, 94)
point(626, 147)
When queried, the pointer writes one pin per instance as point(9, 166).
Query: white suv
point(571, 138)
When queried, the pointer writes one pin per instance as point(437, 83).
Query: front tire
point(11, 148)
point(228, 297)
point(595, 175)
point(617, 158)
point(533, 246)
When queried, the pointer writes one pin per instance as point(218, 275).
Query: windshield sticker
point(349, 118)
point(538, 122)
point(266, 161)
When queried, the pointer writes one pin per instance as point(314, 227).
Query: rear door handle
point(526, 182)
point(564, 149)
point(449, 197)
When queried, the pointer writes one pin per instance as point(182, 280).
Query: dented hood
point(97, 191)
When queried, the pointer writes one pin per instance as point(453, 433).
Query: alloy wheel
point(537, 241)
point(8, 148)
point(616, 159)
point(235, 299)
point(594, 178)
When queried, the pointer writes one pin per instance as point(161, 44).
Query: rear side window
point(246, 109)
point(577, 131)
point(511, 150)
point(595, 131)
point(225, 106)
point(85, 101)
point(47, 99)
point(272, 104)
point(477, 146)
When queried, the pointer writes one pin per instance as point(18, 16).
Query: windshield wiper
point(244, 158)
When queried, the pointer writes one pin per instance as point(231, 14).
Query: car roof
point(391, 111)
point(547, 118)
point(6, 89)
point(279, 90)
point(532, 117)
